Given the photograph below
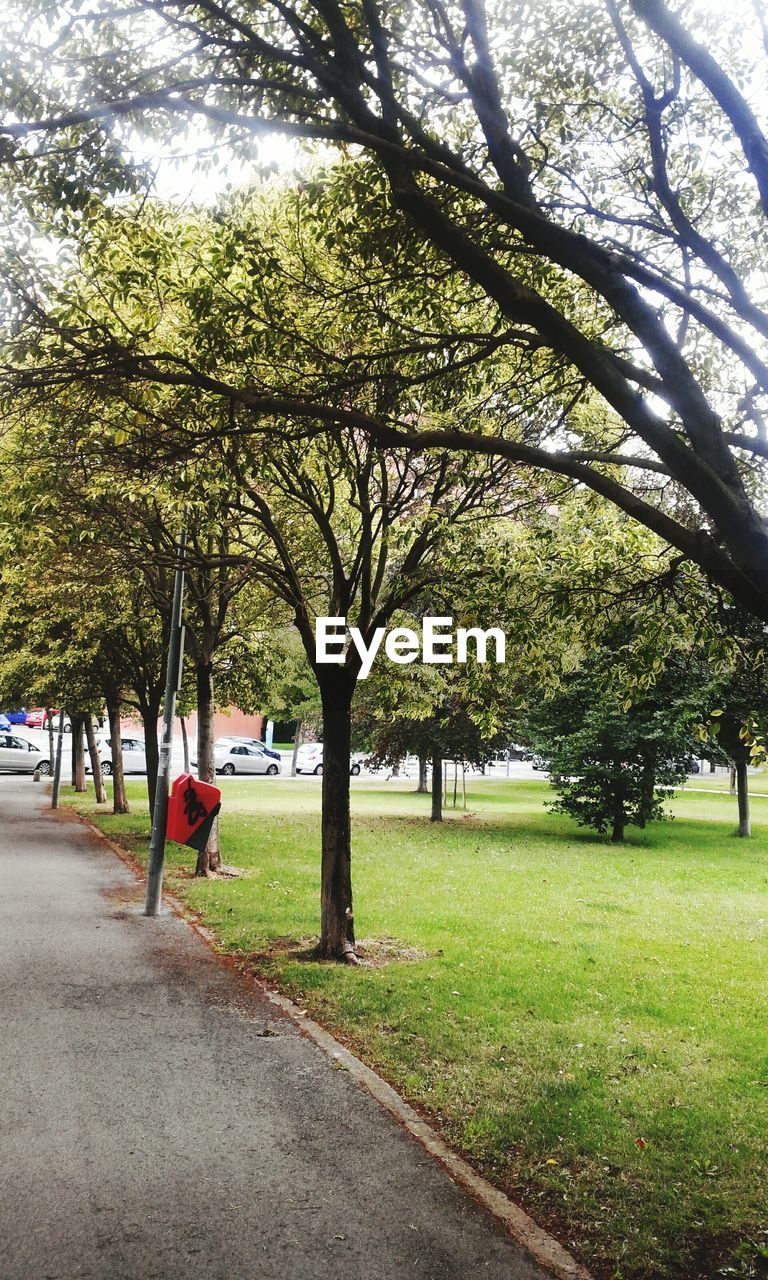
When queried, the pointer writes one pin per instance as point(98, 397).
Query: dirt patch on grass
point(373, 953)
point(378, 952)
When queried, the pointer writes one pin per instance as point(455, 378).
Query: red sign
point(192, 807)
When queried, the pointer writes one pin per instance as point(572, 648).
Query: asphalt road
point(161, 1118)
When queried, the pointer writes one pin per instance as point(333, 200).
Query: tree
point(351, 531)
point(293, 693)
point(598, 176)
point(613, 760)
point(735, 722)
point(332, 523)
point(448, 733)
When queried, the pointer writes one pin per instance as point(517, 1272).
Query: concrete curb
point(543, 1248)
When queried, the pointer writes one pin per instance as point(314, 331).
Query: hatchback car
point(17, 755)
point(54, 724)
point(35, 718)
point(134, 755)
point(249, 742)
point(238, 757)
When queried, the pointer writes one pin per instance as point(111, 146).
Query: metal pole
point(57, 764)
point(172, 682)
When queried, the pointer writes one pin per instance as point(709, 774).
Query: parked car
point(17, 755)
point(253, 743)
point(35, 718)
point(55, 723)
point(250, 742)
point(19, 716)
point(238, 757)
point(309, 759)
point(134, 755)
point(538, 762)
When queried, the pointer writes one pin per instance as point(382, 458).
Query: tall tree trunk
point(437, 787)
point(337, 932)
point(150, 712)
point(742, 786)
point(423, 787)
point(296, 745)
point(93, 752)
point(618, 806)
point(119, 798)
point(51, 743)
point(210, 858)
point(78, 753)
point(184, 742)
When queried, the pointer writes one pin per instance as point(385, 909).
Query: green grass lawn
point(586, 1023)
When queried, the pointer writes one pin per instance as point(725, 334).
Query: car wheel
point(106, 768)
point(355, 770)
point(272, 770)
point(44, 768)
point(228, 769)
point(318, 769)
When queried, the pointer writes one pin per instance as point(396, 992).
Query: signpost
point(192, 810)
point(172, 683)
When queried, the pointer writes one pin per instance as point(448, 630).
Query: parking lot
point(522, 770)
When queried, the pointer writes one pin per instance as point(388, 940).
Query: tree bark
point(149, 717)
point(119, 798)
point(423, 786)
point(437, 787)
point(93, 752)
point(732, 780)
point(209, 859)
point(742, 789)
point(337, 932)
point(296, 745)
point(51, 743)
point(185, 742)
point(619, 810)
point(78, 753)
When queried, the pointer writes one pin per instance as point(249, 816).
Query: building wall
point(225, 724)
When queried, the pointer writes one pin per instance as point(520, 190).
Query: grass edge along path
point(585, 1024)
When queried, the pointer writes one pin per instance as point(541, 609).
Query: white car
point(55, 723)
point(134, 755)
point(18, 755)
point(248, 742)
point(309, 759)
point(240, 757)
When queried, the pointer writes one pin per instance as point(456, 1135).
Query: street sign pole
point(172, 682)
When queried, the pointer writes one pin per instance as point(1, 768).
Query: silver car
point(134, 755)
point(239, 757)
point(17, 755)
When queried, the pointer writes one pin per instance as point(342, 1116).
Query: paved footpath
point(161, 1118)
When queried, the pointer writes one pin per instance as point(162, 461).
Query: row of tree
point(371, 389)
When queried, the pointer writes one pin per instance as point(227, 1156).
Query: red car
point(35, 718)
